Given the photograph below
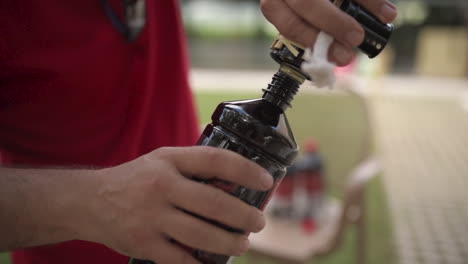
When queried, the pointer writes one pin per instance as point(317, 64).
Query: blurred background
point(233, 34)
point(409, 106)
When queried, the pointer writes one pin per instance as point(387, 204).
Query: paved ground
point(421, 128)
point(423, 142)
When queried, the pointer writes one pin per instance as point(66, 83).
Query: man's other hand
point(301, 21)
point(139, 204)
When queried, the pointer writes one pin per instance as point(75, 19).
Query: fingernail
point(244, 246)
point(261, 223)
point(390, 4)
point(341, 55)
point(355, 38)
point(267, 179)
point(388, 12)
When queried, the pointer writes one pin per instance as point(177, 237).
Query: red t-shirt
point(74, 92)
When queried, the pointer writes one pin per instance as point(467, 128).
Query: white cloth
point(316, 64)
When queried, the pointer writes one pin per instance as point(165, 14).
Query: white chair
point(284, 241)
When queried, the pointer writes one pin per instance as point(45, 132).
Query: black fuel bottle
point(259, 130)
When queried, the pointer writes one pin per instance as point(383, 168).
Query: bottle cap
point(377, 33)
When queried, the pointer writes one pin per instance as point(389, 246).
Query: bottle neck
point(283, 87)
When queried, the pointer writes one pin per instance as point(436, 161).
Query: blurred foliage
point(220, 21)
point(225, 20)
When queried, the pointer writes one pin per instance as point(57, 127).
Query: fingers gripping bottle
point(259, 130)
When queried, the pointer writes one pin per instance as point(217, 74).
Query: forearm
point(43, 206)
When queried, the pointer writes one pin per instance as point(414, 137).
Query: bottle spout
point(283, 87)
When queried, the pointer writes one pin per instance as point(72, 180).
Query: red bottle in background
point(301, 194)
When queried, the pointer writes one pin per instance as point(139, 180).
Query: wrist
point(45, 206)
point(77, 211)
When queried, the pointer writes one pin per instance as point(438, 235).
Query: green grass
point(338, 123)
point(4, 258)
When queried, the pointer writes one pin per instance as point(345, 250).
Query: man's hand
point(301, 21)
point(138, 206)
